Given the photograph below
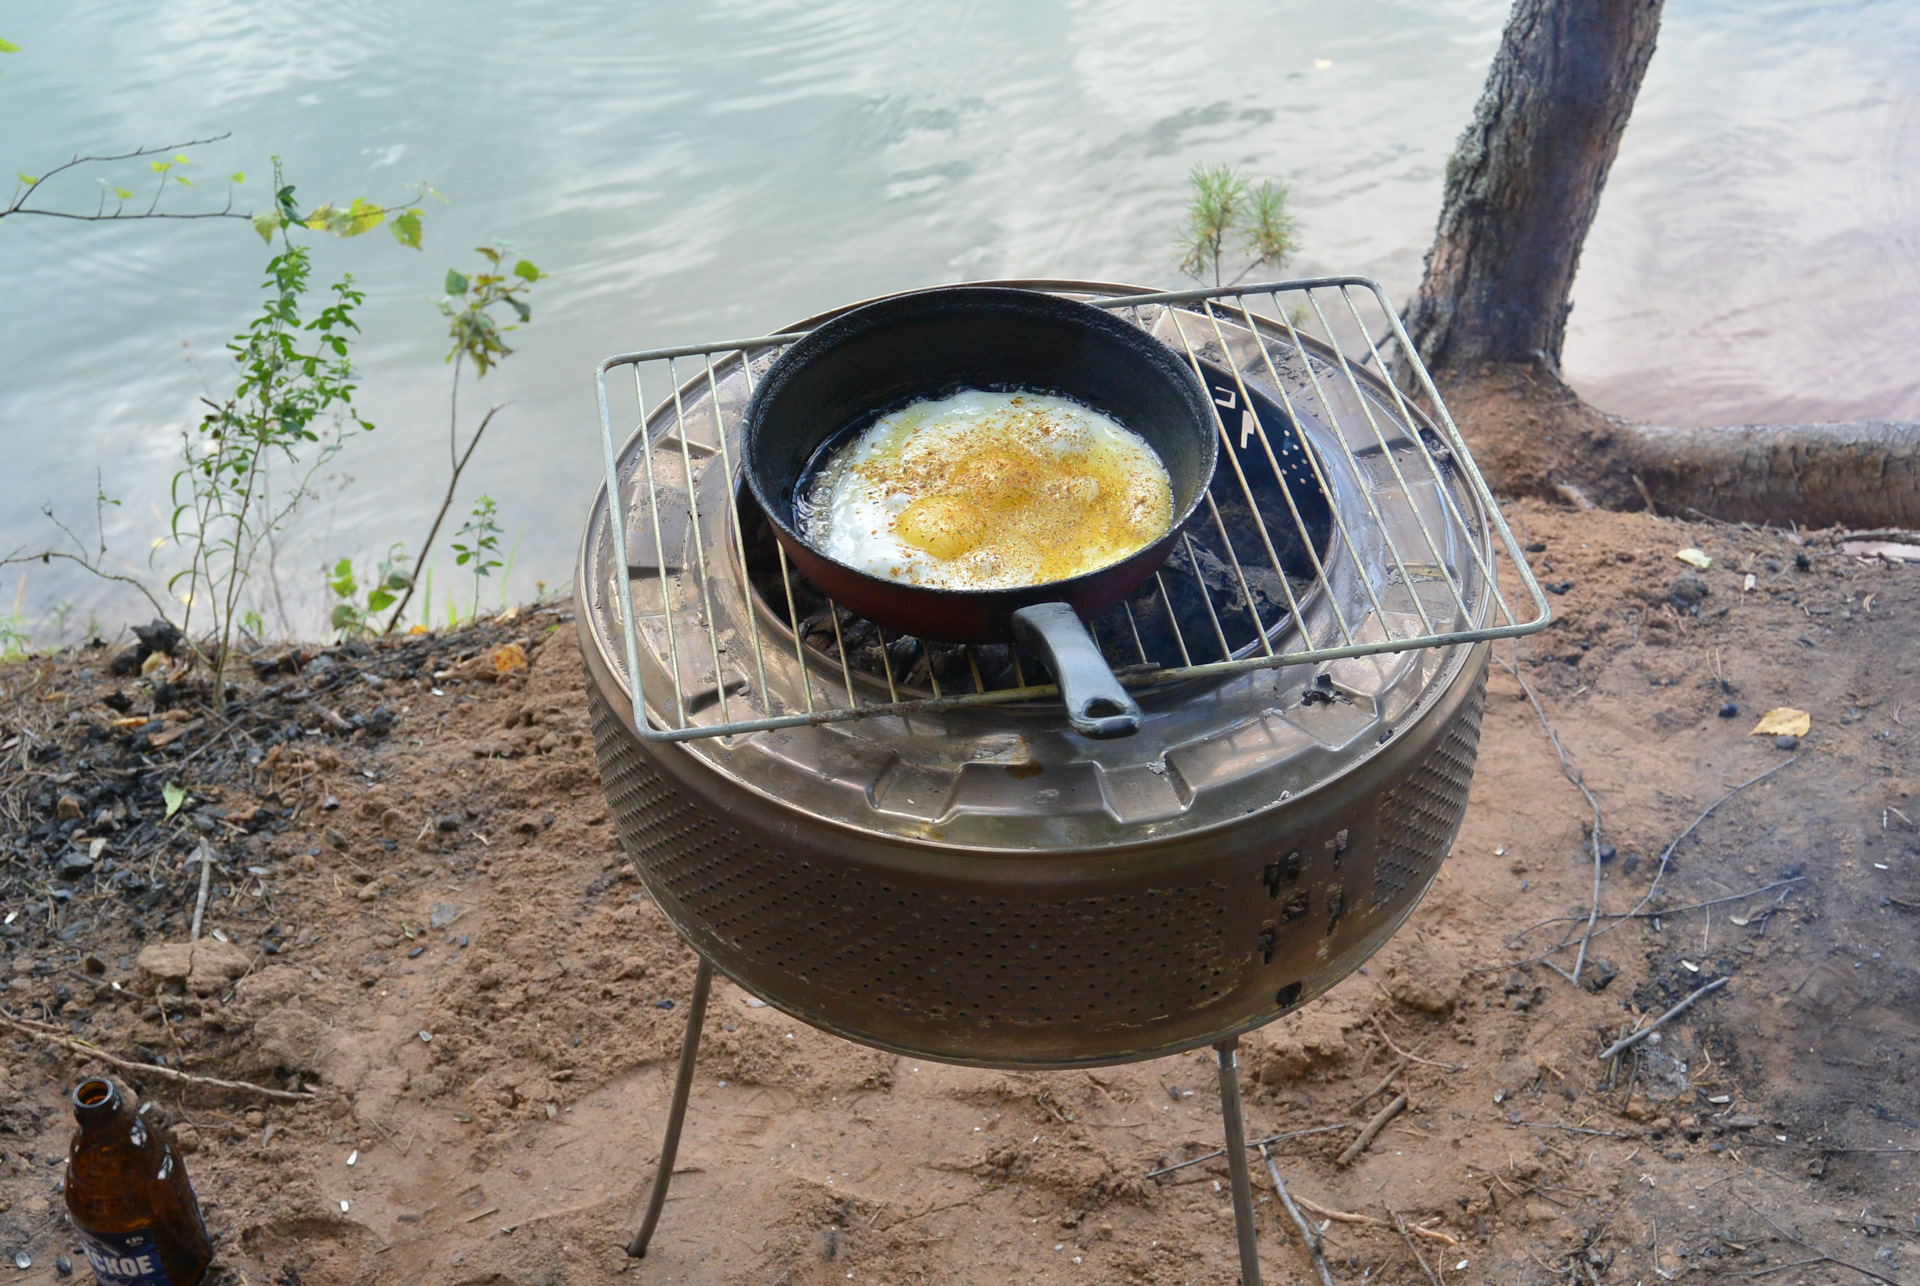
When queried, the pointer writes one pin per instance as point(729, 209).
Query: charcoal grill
point(902, 842)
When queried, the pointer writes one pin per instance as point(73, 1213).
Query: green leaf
point(159, 167)
point(379, 601)
point(267, 224)
point(406, 228)
point(8, 47)
point(27, 179)
point(344, 617)
point(363, 216)
point(239, 176)
point(181, 158)
point(175, 796)
point(526, 313)
point(456, 284)
point(123, 194)
point(181, 178)
point(319, 218)
point(526, 269)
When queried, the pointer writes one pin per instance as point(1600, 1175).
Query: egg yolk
point(944, 526)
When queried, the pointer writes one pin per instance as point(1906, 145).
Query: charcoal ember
point(159, 636)
point(1687, 589)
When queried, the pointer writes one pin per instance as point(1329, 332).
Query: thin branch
point(1308, 1233)
point(1804, 1244)
point(1256, 1143)
point(44, 555)
point(1616, 916)
point(1418, 1257)
point(1579, 780)
point(19, 204)
point(420, 559)
point(40, 1032)
point(1629, 1041)
point(1666, 858)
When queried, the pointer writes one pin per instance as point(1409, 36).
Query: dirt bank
point(434, 933)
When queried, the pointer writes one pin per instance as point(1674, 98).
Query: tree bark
point(1525, 179)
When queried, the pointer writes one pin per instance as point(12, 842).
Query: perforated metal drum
point(972, 881)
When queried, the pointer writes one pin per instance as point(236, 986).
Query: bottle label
point(124, 1258)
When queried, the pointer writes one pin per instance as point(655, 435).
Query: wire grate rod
point(1346, 499)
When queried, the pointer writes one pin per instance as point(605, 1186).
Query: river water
point(698, 171)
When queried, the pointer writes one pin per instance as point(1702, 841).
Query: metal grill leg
point(677, 1114)
point(1229, 1052)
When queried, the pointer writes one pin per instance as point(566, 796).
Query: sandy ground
point(486, 1007)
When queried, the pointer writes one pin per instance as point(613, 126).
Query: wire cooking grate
point(1344, 521)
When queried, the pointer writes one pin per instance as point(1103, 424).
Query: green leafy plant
point(478, 337)
point(482, 548)
point(1222, 205)
point(295, 376)
point(354, 618)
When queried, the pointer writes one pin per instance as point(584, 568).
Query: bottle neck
point(96, 1101)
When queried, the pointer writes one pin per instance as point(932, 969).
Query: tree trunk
point(1532, 435)
point(1525, 178)
point(1491, 311)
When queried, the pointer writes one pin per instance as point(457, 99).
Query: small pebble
point(663, 1004)
point(426, 1035)
point(63, 1266)
point(416, 951)
point(22, 1260)
point(1787, 741)
point(1730, 710)
point(463, 939)
point(328, 804)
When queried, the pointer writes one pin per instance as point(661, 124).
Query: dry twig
point(1419, 1258)
point(40, 1031)
point(1308, 1233)
point(1373, 1127)
point(1386, 1080)
point(1634, 1038)
point(1579, 780)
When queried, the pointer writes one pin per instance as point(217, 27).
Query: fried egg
point(984, 490)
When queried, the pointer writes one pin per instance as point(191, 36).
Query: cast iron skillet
point(834, 383)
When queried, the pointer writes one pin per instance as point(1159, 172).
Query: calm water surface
point(689, 172)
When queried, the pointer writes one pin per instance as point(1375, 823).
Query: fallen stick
point(1629, 1041)
point(1414, 1055)
point(81, 1047)
point(1373, 1127)
point(1271, 1138)
point(1579, 780)
point(1308, 1233)
point(202, 856)
point(1386, 1080)
point(1348, 1216)
point(1419, 1258)
point(1570, 1129)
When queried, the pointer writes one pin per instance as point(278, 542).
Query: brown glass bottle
point(128, 1193)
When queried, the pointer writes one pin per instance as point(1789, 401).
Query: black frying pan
point(830, 386)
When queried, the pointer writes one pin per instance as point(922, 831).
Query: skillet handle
point(1097, 706)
